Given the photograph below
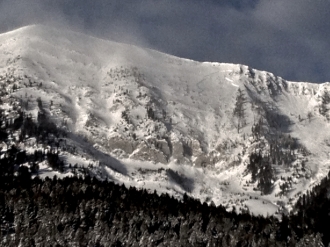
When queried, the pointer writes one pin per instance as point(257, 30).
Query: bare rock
point(146, 152)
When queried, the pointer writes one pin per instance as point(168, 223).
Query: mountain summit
point(220, 132)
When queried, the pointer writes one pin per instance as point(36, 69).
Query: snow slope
point(164, 123)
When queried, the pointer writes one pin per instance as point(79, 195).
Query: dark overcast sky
point(290, 38)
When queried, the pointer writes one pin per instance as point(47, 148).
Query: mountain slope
point(221, 132)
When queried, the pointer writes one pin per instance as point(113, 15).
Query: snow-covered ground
point(164, 123)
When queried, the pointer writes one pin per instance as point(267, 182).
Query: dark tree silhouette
point(239, 110)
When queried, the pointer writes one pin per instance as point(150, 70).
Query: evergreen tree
point(324, 104)
point(239, 110)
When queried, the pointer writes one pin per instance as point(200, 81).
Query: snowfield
point(151, 120)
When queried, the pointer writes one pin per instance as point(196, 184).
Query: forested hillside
point(77, 211)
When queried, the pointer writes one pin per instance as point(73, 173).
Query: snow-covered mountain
point(220, 132)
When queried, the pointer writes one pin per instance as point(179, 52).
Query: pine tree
point(239, 110)
point(323, 107)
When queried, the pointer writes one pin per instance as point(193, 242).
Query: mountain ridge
point(160, 122)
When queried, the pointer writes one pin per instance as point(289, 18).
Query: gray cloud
point(289, 38)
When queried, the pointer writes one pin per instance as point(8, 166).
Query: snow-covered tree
point(239, 110)
point(324, 104)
